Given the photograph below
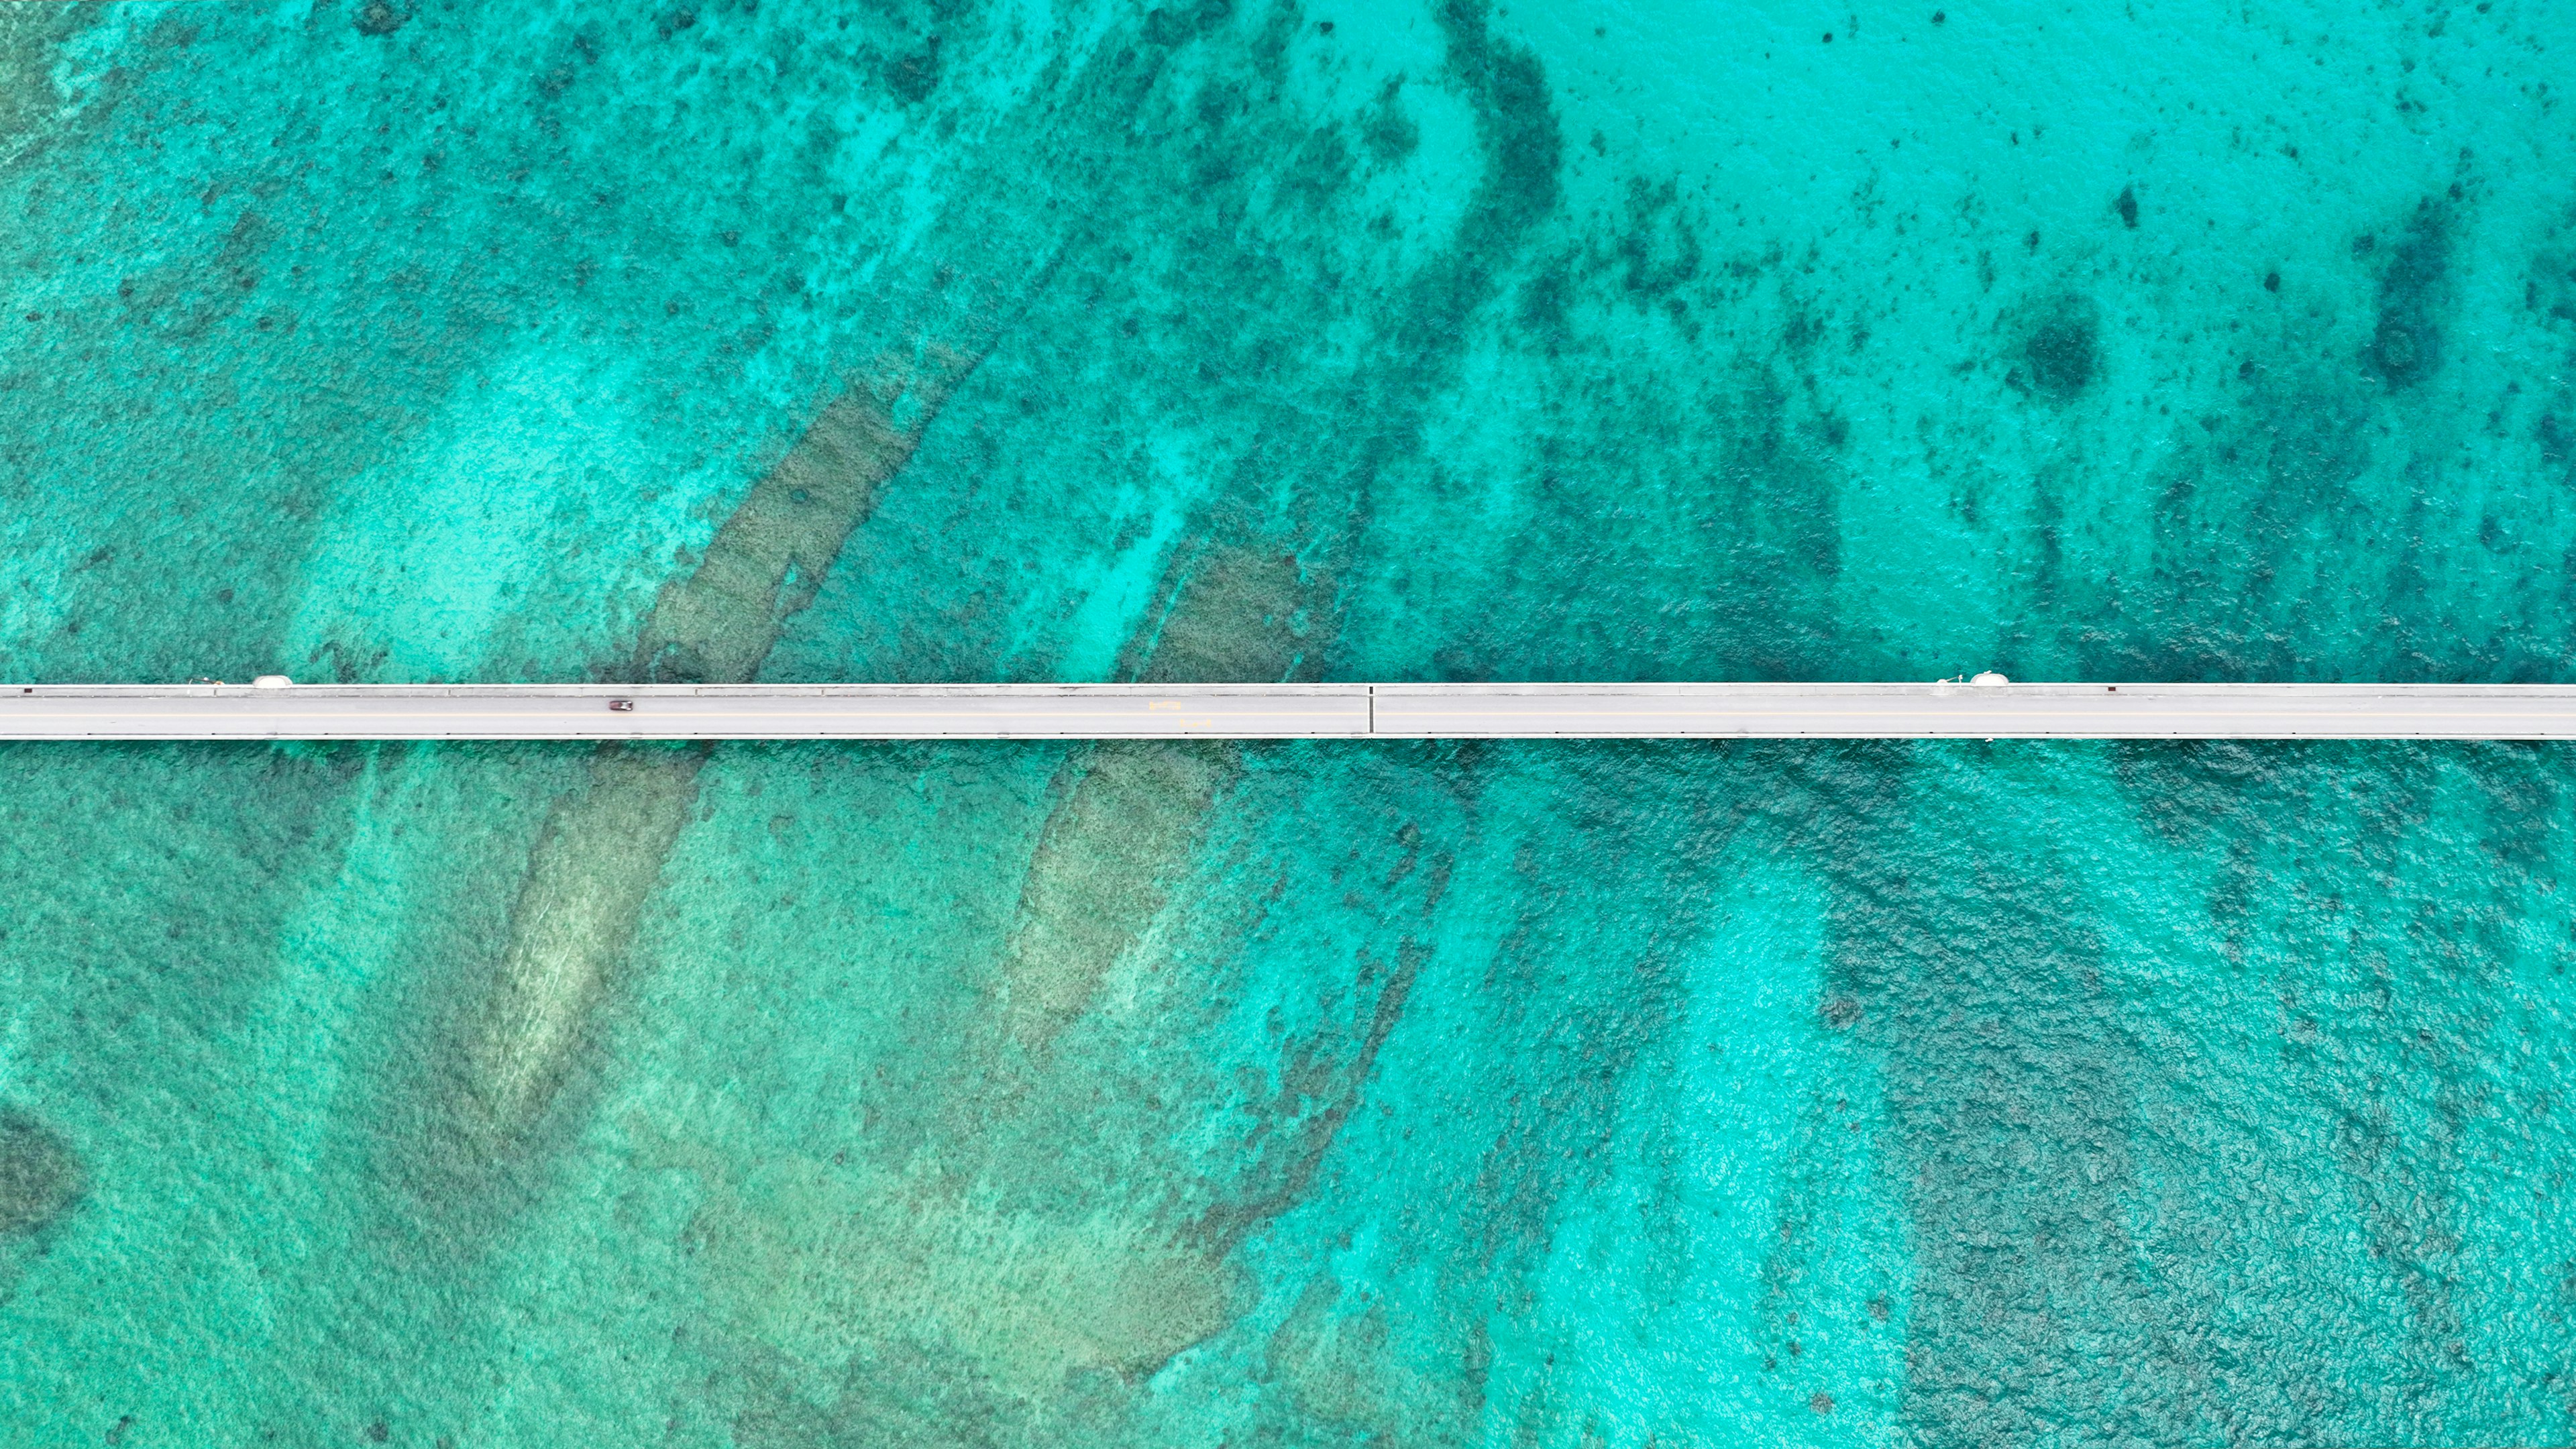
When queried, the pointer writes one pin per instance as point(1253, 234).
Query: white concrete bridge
point(274, 710)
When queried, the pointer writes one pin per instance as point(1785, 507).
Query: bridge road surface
point(1287, 711)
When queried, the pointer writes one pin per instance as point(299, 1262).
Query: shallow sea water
point(1334, 1094)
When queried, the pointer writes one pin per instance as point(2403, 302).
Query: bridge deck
point(1288, 711)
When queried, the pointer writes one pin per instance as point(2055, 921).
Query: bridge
point(273, 709)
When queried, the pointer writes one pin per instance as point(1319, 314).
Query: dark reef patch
point(2405, 347)
point(1389, 134)
point(1659, 251)
point(1516, 122)
point(913, 77)
point(2550, 289)
point(1234, 614)
point(1180, 24)
point(2062, 352)
point(2127, 206)
point(41, 1177)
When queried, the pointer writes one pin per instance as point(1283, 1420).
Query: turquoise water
point(1299, 1095)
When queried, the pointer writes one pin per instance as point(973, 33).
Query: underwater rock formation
point(602, 849)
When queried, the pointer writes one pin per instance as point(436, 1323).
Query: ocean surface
point(1350, 1094)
